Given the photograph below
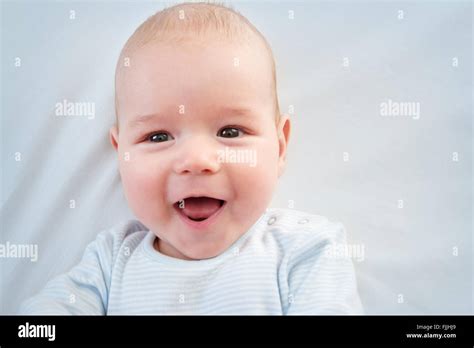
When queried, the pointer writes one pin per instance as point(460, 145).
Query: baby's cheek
point(143, 186)
point(257, 181)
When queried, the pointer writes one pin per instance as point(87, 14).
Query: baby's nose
point(197, 156)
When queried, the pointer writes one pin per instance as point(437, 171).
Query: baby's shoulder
point(294, 229)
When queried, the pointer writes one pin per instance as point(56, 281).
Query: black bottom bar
point(222, 330)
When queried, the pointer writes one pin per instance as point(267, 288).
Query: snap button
point(303, 221)
point(272, 220)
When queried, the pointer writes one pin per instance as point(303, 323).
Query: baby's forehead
point(212, 43)
point(196, 25)
point(170, 68)
point(177, 43)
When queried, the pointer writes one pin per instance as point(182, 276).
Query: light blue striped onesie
point(281, 265)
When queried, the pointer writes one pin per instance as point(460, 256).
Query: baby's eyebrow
point(143, 119)
point(229, 111)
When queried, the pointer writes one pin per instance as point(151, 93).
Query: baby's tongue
point(200, 207)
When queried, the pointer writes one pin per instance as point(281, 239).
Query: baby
point(201, 144)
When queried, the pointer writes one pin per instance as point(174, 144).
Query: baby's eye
point(159, 137)
point(229, 132)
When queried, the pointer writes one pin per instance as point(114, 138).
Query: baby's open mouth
point(198, 208)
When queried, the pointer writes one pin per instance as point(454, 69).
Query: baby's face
point(199, 150)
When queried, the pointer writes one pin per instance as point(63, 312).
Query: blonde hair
point(195, 21)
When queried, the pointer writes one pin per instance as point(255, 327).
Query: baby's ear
point(284, 130)
point(113, 136)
